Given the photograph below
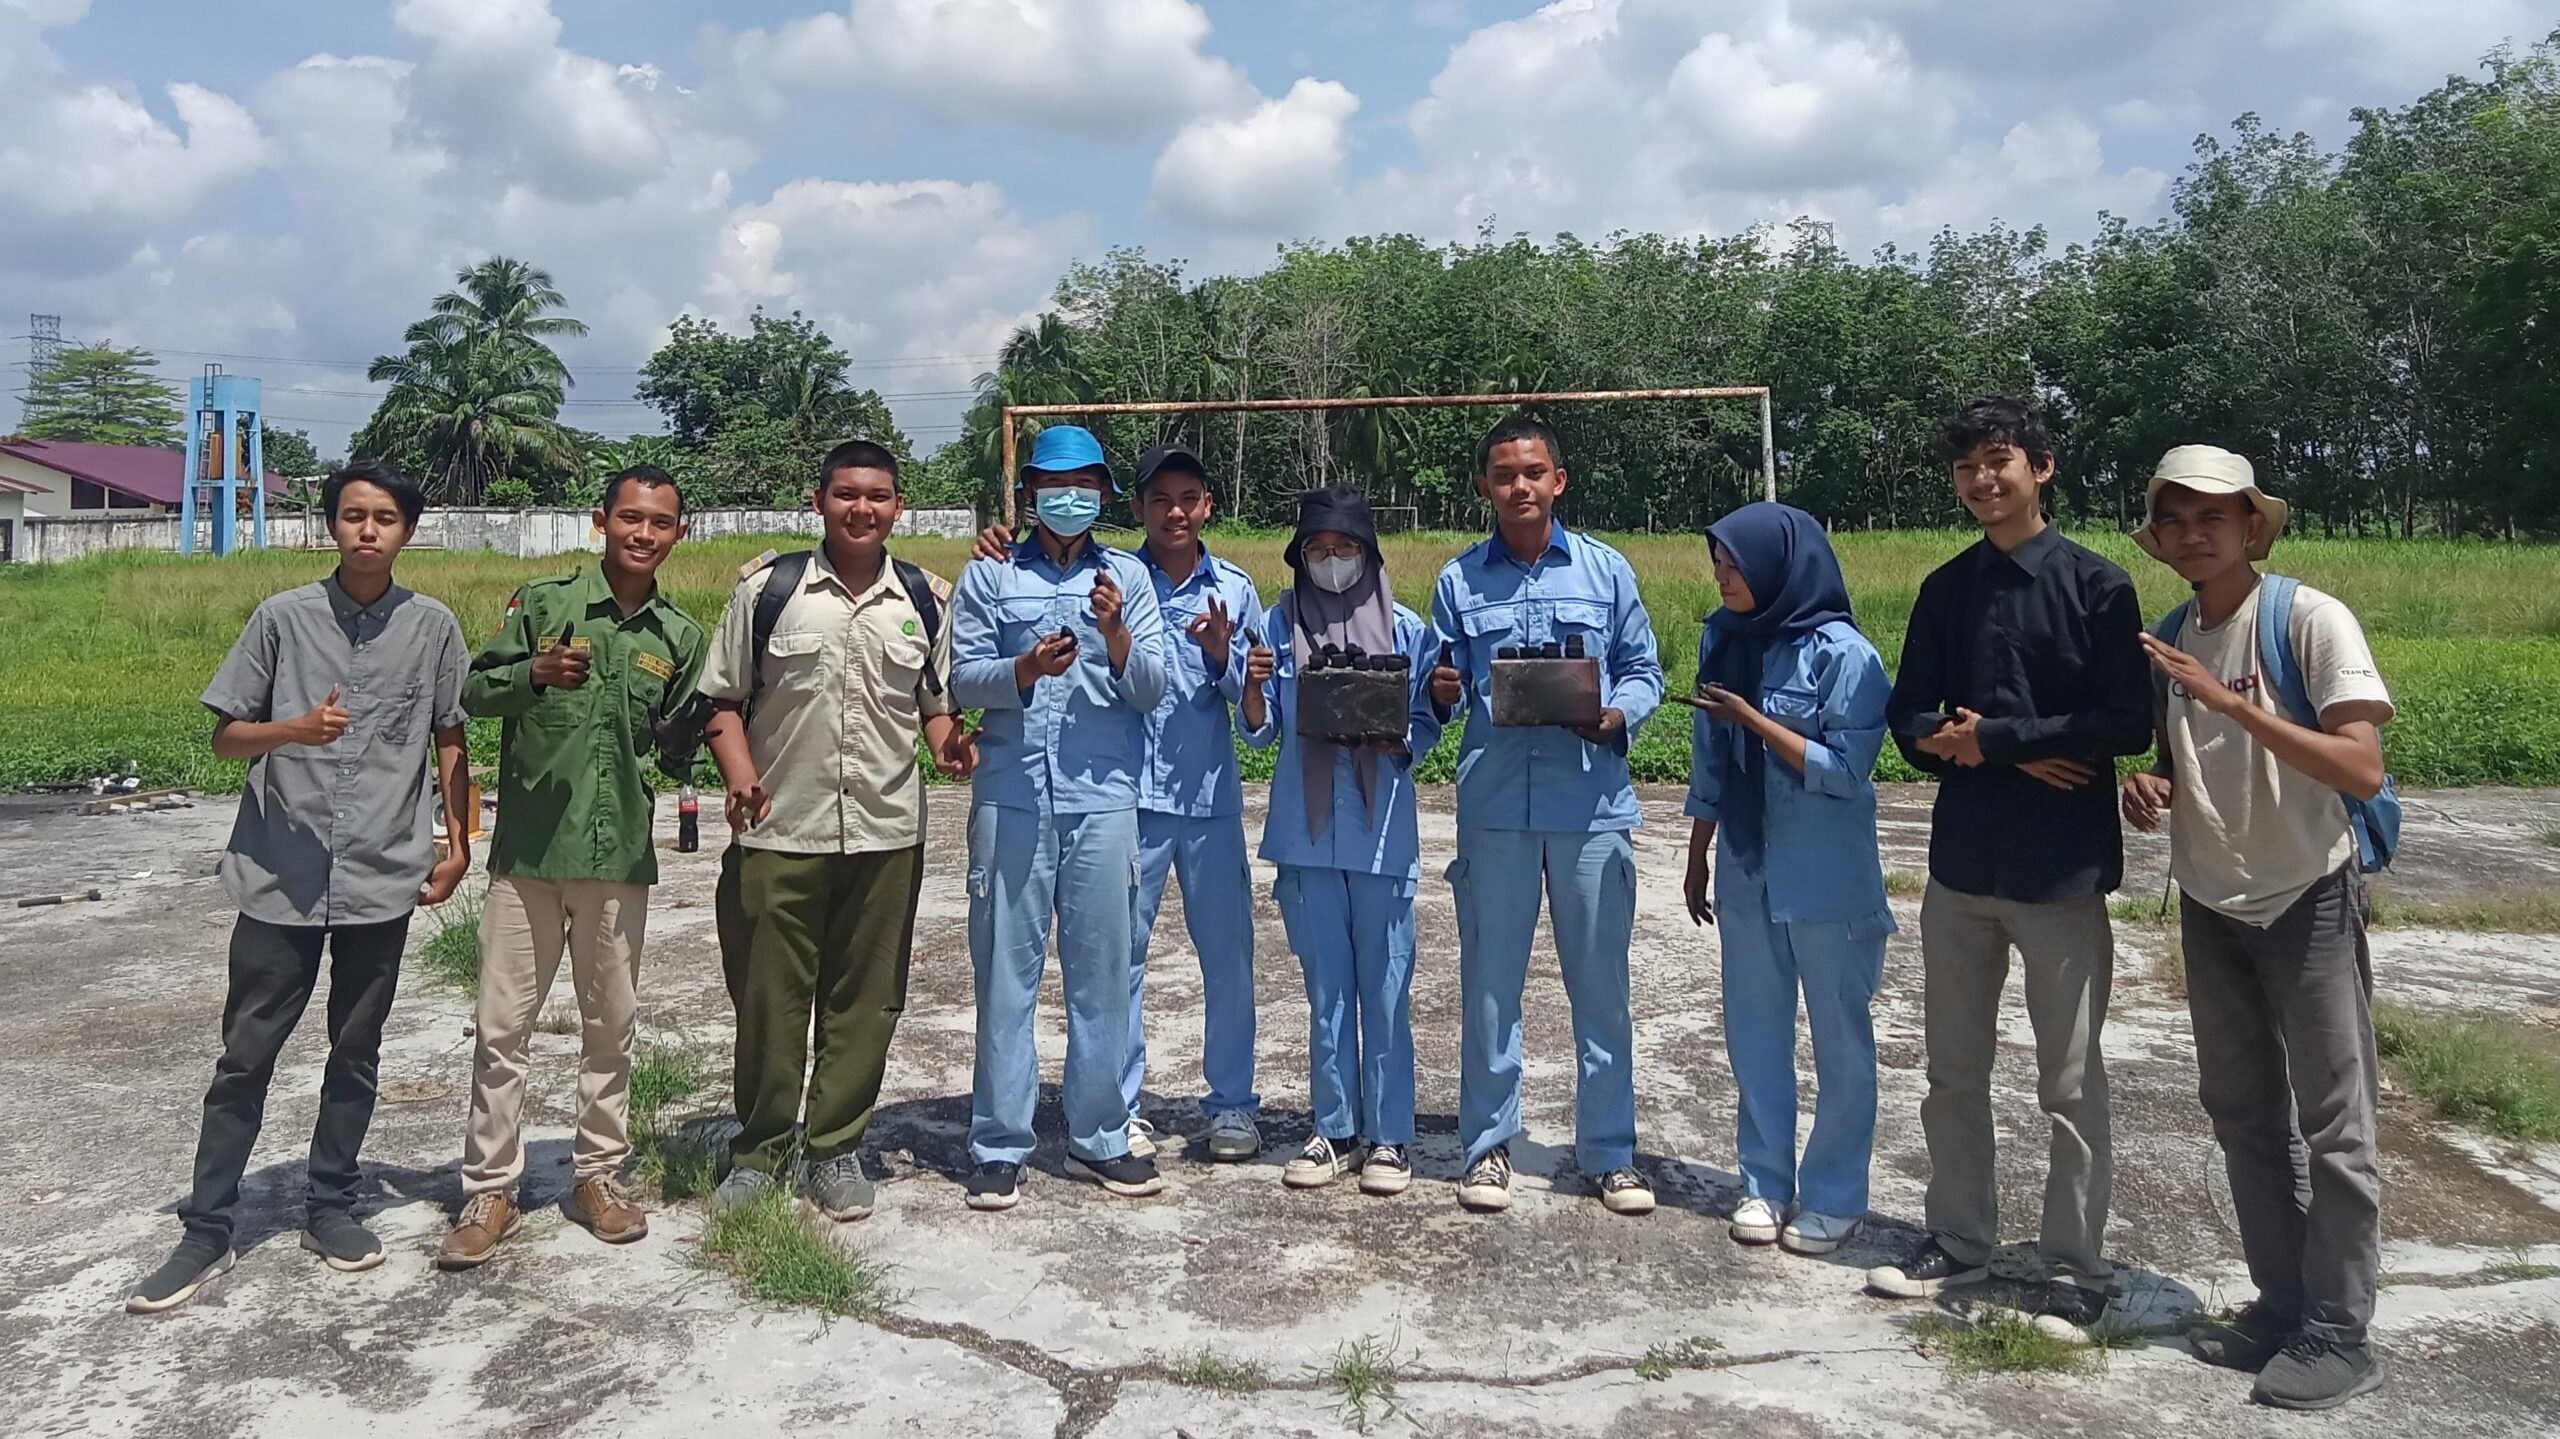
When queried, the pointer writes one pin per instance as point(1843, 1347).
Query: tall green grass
point(101, 659)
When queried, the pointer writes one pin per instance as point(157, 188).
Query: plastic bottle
point(688, 820)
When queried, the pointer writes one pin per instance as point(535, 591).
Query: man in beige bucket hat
point(2270, 717)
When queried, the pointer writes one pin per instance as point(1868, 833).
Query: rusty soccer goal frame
point(1013, 469)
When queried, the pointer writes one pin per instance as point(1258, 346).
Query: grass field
point(101, 660)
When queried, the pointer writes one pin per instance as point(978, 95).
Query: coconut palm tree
point(478, 388)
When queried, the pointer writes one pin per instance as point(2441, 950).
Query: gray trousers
point(2067, 952)
point(2285, 1061)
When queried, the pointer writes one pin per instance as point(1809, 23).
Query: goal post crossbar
point(1768, 439)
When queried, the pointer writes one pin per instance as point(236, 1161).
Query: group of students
point(1111, 686)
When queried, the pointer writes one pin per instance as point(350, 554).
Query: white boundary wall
point(525, 534)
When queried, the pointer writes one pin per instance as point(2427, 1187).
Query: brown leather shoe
point(607, 1210)
point(488, 1221)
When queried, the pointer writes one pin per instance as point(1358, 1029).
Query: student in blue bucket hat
point(1061, 643)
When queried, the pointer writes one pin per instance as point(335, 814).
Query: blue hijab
point(1787, 560)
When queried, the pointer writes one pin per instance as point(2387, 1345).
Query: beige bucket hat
point(2211, 470)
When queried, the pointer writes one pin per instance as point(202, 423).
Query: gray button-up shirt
point(342, 833)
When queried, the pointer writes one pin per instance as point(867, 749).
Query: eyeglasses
point(1344, 550)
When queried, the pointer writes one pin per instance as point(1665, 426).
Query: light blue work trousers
point(1207, 855)
point(1024, 868)
point(1838, 969)
point(1353, 935)
point(1590, 889)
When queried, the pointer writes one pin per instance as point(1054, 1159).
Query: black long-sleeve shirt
point(2044, 642)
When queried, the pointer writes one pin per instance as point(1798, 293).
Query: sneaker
point(2076, 1304)
point(1487, 1187)
point(839, 1188)
point(1624, 1191)
point(606, 1210)
point(1929, 1271)
point(1811, 1233)
point(2315, 1373)
point(488, 1220)
point(1319, 1164)
point(1143, 1137)
point(1127, 1176)
point(742, 1187)
point(995, 1185)
point(2245, 1341)
point(1233, 1136)
point(341, 1243)
point(1386, 1171)
point(195, 1263)
point(1755, 1221)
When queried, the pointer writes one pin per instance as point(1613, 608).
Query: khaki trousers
point(2067, 953)
point(524, 925)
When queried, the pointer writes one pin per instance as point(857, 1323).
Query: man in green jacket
point(582, 669)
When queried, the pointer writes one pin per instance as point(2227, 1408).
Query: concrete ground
point(1054, 1319)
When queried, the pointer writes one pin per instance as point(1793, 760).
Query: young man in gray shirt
point(346, 698)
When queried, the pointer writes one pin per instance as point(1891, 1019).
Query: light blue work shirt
point(1389, 846)
point(1540, 777)
point(1074, 743)
point(1191, 742)
point(1820, 855)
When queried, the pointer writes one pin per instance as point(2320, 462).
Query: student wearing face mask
point(1341, 828)
point(1062, 644)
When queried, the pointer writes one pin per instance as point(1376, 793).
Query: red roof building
point(73, 477)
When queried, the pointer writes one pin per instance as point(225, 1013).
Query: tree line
point(2377, 326)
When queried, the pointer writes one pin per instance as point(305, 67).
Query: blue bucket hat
point(1065, 448)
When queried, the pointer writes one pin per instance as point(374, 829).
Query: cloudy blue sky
point(280, 184)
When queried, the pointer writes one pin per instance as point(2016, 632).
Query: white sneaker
point(1142, 1138)
point(1486, 1189)
point(1756, 1221)
point(1811, 1233)
point(1233, 1136)
point(1320, 1163)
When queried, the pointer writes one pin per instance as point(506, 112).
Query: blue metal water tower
point(226, 448)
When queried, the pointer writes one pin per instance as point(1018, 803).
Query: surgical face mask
point(1068, 511)
point(1337, 572)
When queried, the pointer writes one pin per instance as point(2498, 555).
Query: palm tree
point(477, 387)
point(1038, 366)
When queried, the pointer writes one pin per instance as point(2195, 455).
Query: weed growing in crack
point(559, 1021)
point(2518, 1267)
point(780, 1253)
point(2484, 1070)
point(664, 1074)
point(1999, 1341)
point(452, 953)
point(1903, 884)
point(1663, 1360)
point(1205, 1368)
point(1363, 1374)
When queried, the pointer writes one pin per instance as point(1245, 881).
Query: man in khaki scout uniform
point(834, 660)
point(582, 669)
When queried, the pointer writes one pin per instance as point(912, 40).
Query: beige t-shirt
point(834, 732)
point(2248, 833)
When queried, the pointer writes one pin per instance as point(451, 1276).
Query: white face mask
point(1337, 572)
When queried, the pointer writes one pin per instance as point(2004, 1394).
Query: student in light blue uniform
point(1062, 645)
point(1782, 790)
point(1538, 802)
point(1341, 829)
point(1191, 799)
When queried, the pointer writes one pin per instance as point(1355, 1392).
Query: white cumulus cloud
point(1278, 168)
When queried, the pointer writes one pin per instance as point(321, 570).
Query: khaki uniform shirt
point(833, 731)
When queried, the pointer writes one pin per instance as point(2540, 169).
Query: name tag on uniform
point(655, 664)
point(545, 644)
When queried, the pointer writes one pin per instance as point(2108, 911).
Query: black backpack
point(785, 575)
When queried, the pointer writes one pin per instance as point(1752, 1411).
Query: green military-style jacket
point(573, 794)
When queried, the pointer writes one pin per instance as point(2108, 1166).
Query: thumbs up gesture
point(561, 666)
point(322, 723)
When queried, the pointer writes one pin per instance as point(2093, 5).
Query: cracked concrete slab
point(1065, 1316)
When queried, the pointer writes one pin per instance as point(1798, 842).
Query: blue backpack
point(2375, 822)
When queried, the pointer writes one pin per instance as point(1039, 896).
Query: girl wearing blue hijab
point(1781, 786)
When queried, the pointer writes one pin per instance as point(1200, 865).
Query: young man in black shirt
point(2022, 679)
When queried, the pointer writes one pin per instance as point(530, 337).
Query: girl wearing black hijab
point(1781, 787)
point(1341, 829)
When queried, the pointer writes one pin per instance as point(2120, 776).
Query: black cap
point(1163, 458)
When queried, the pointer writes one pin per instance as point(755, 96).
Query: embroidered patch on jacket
point(657, 665)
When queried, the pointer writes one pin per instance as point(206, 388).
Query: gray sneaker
point(743, 1187)
point(1233, 1136)
point(839, 1188)
point(2314, 1373)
